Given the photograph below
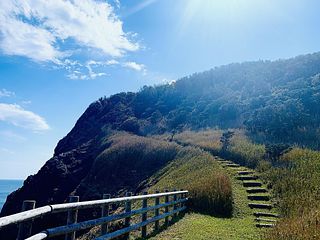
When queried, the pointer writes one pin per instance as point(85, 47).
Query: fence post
point(72, 217)
point(144, 216)
point(156, 212)
point(26, 227)
point(166, 221)
point(127, 209)
point(175, 205)
point(182, 197)
point(104, 213)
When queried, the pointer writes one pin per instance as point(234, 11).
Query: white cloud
point(112, 62)
point(6, 93)
point(39, 29)
point(91, 73)
point(16, 115)
point(90, 65)
point(77, 75)
point(135, 66)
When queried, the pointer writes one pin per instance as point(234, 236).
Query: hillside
point(275, 101)
point(109, 148)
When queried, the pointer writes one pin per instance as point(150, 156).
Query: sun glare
point(207, 11)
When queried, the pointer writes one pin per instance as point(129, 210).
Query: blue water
point(6, 187)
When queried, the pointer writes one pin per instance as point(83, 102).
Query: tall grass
point(195, 170)
point(241, 149)
point(208, 140)
point(297, 188)
point(297, 185)
point(125, 163)
point(212, 195)
point(295, 180)
point(302, 227)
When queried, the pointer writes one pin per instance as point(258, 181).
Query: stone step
point(265, 225)
point(260, 205)
point(266, 214)
point(259, 197)
point(245, 172)
point(266, 220)
point(252, 184)
point(257, 190)
point(247, 177)
point(232, 165)
point(225, 162)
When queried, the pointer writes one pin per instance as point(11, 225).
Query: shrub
point(212, 195)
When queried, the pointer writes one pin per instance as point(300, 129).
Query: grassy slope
point(189, 166)
point(197, 226)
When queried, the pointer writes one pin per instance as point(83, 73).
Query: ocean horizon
point(7, 186)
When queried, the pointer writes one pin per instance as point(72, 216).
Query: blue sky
point(56, 57)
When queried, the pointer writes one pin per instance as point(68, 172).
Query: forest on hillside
point(275, 101)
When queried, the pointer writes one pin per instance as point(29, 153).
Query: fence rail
point(25, 218)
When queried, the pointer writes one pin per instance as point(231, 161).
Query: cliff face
point(61, 174)
point(55, 180)
point(114, 164)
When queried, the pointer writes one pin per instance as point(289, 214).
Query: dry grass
point(212, 195)
point(245, 151)
point(196, 170)
point(297, 228)
point(297, 188)
point(295, 180)
point(124, 164)
point(208, 140)
point(241, 148)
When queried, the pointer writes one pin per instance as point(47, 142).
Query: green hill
point(167, 136)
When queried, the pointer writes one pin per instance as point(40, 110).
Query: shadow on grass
point(164, 227)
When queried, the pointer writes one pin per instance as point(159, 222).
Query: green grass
point(196, 226)
point(199, 227)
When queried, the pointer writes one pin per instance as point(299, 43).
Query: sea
point(6, 187)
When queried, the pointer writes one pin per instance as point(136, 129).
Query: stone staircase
point(259, 198)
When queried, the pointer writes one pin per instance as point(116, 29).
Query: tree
point(225, 140)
